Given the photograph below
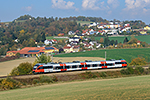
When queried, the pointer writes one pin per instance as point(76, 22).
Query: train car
point(77, 65)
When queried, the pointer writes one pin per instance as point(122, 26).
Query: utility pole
point(52, 56)
point(105, 55)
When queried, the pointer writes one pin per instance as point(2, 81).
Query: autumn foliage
point(138, 61)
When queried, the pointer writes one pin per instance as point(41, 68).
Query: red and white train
point(77, 65)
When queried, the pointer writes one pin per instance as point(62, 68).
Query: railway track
point(66, 73)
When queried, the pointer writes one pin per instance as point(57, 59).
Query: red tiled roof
point(67, 47)
point(12, 51)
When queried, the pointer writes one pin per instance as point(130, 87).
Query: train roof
point(78, 62)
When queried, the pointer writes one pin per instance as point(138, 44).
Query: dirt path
point(6, 67)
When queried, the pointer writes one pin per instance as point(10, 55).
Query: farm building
point(32, 51)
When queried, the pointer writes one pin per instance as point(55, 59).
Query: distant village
point(78, 41)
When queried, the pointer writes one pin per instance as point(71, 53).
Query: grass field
point(53, 37)
point(145, 38)
point(127, 54)
point(84, 22)
point(132, 88)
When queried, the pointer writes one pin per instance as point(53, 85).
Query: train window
point(80, 66)
point(87, 65)
point(109, 64)
point(124, 62)
point(120, 62)
point(102, 65)
point(67, 67)
point(94, 65)
point(58, 67)
point(40, 68)
point(48, 67)
point(74, 66)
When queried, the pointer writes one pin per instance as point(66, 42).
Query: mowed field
point(6, 67)
point(127, 54)
point(129, 88)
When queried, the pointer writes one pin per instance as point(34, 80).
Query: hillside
point(127, 54)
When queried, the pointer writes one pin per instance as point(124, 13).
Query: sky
point(107, 9)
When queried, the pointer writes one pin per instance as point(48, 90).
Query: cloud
point(113, 3)
point(99, 5)
point(90, 4)
point(61, 4)
point(137, 5)
point(29, 8)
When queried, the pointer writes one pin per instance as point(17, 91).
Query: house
point(143, 32)
point(71, 33)
point(68, 49)
point(54, 41)
point(48, 42)
point(49, 50)
point(138, 42)
point(76, 48)
point(147, 27)
point(11, 53)
point(74, 39)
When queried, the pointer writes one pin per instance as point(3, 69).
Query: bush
point(55, 79)
point(127, 71)
point(88, 75)
point(103, 74)
point(46, 79)
point(139, 70)
point(22, 69)
point(9, 83)
point(35, 81)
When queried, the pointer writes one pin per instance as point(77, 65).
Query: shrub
point(88, 75)
point(55, 79)
point(147, 71)
point(9, 83)
point(138, 61)
point(127, 71)
point(139, 70)
point(130, 70)
point(35, 81)
point(22, 69)
point(46, 79)
point(103, 74)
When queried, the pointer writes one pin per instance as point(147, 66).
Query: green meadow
point(143, 38)
point(53, 37)
point(132, 88)
point(127, 54)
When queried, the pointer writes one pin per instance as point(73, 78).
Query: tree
point(43, 37)
point(138, 61)
point(101, 41)
point(125, 40)
point(43, 59)
point(106, 41)
point(133, 40)
point(116, 42)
